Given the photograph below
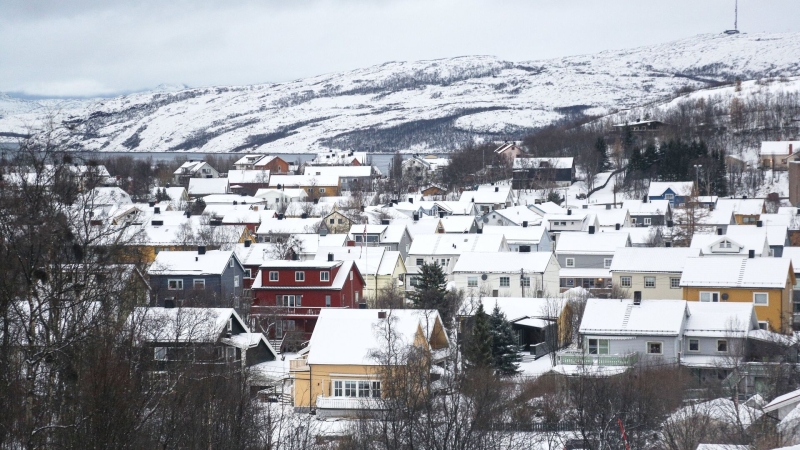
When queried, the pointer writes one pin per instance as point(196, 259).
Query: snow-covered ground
point(411, 105)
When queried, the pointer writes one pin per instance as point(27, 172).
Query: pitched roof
point(783, 400)
point(725, 271)
point(651, 259)
point(304, 180)
point(338, 171)
point(182, 324)
point(206, 186)
point(658, 188)
point(518, 214)
point(457, 224)
point(597, 243)
point(248, 176)
point(518, 308)
point(213, 262)
point(730, 319)
point(503, 262)
point(531, 234)
point(288, 225)
point(778, 147)
point(456, 244)
point(487, 193)
point(622, 317)
point(743, 206)
point(639, 208)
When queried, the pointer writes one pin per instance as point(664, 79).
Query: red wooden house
point(288, 295)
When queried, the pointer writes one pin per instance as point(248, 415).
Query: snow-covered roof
point(781, 219)
point(517, 308)
point(547, 208)
point(622, 317)
point(486, 193)
point(248, 159)
point(310, 242)
point(742, 206)
point(231, 198)
point(658, 188)
point(457, 224)
point(456, 244)
point(213, 262)
point(517, 214)
point(292, 225)
point(256, 254)
point(270, 193)
point(100, 196)
point(338, 171)
point(207, 186)
point(354, 336)
point(587, 244)
point(337, 282)
point(719, 271)
point(722, 410)
point(651, 259)
point(781, 401)
point(611, 217)
point(368, 259)
point(778, 147)
point(503, 262)
point(248, 176)
point(189, 167)
point(521, 163)
point(515, 234)
point(741, 245)
point(793, 254)
point(774, 234)
point(583, 272)
point(249, 340)
point(198, 325)
point(303, 180)
point(639, 208)
point(731, 319)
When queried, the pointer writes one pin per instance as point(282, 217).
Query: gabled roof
point(639, 208)
point(248, 159)
point(457, 224)
point(288, 225)
point(730, 319)
point(516, 215)
point(337, 282)
point(503, 262)
point(622, 317)
point(354, 336)
point(781, 401)
point(182, 324)
point(310, 242)
point(734, 272)
point(303, 180)
point(206, 186)
point(778, 147)
point(740, 245)
point(367, 259)
point(213, 262)
point(190, 167)
point(456, 244)
point(651, 259)
point(587, 244)
point(547, 208)
point(487, 193)
point(338, 171)
point(742, 206)
point(518, 308)
point(255, 255)
point(230, 198)
point(515, 234)
point(659, 188)
point(248, 176)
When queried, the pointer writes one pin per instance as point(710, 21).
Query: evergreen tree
point(720, 170)
point(505, 357)
point(431, 292)
point(603, 163)
point(636, 164)
point(478, 352)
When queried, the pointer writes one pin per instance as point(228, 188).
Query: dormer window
point(725, 244)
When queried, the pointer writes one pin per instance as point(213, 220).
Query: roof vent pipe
point(751, 254)
point(330, 257)
point(201, 249)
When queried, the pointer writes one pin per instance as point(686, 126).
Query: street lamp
point(697, 176)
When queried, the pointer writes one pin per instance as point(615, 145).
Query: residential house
point(715, 338)
point(280, 228)
point(765, 283)
point(200, 187)
point(573, 220)
point(445, 249)
point(252, 255)
point(509, 151)
point(457, 225)
point(424, 170)
point(585, 259)
point(178, 196)
point(246, 162)
point(248, 182)
point(336, 222)
point(523, 238)
point(203, 278)
point(745, 211)
point(394, 236)
point(716, 220)
point(793, 253)
point(289, 295)
point(652, 213)
point(641, 126)
point(776, 155)
point(674, 192)
point(193, 169)
point(339, 158)
point(350, 177)
point(274, 164)
point(278, 199)
point(489, 197)
point(315, 186)
point(653, 272)
point(609, 218)
point(777, 236)
point(534, 274)
point(515, 215)
point(340, 375)
point(380, 267)
point(648, 236)
point(434, 192)
point(723, 245)
point(308, 245)
point(543, 172)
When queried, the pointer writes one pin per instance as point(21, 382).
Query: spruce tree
point(505, 356)
point(478, 351)
point(600, 145)
point(431, 291)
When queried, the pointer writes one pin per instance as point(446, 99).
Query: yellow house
point(380, 267)
point(745, 211)
point(765, 282)
point(336, 222)
point(341, 373)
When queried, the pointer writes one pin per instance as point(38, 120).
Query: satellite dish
point(484, 277)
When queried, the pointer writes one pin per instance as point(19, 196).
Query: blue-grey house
point(673, 191)
point(201, 278)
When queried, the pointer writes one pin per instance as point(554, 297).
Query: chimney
point(719, 231)
point(591, 229)
point(151, 203)
point(201, 249)
point(295, 257)
point(480, 230)
point(616, 226)
point(496, 189)
point(304, 216)
point(759, 223)
point(381, 314)
point(156, 210)
point(790, 148)
point(637, 297)
point(410, 199)
point(247, 243)
point(524, 224)
point(442, 214)
point(235, 203)
point(280, 216)
point(316, 201)
point(751, 254)
point(188, 214)
point(569, 212)
point(585, 206)
point(416, 217)
point(608, 206)
point(330, 257)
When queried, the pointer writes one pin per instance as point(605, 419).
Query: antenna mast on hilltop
point(735, 29)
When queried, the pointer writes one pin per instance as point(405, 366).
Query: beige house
point(380, 267)
point(336, 222)
point(776, 155)
point(655, 272)
point(342, 372)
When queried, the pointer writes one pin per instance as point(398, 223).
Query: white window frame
point(160, 353)
point(327, 301)
point(505, 281)
point(277, 275)
point(765, 294)
point(248, 273)
point(525, 281)
point(325, 275)
point(647, 221)
point(230, 263)
point(689, 345)
point(669, 197)
point(420, 261)
point(661, 346)
point(201, 282)
point(676, 285)
point(726, 346)
point(598, 346)
point(607, 262)
point(299, 276)
point(570, 262)
point(472, 281)
point(711, 296)
point(178, 284)
point(321, 190)
point(763, 325)
point(653, 279)
point(368, 388)
point(626, 281)
point(236, 281)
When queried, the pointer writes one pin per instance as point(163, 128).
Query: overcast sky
point(101, 47)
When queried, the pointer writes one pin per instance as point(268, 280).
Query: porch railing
point(578, 358)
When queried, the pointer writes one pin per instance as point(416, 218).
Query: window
point(332, 221)
point(650, 282)
point(647, 221)
point(722, 346)
point(341, 221)
point(570, 282)
point(230, 353)
point(694, 345)
point(669, 197)
point(570, 262)
point(376, 389)
point(299, 276)
point(356, 296)
point(160, 353)
point(327, 300)
point(321, 190)
point(598, 346)
point(363, 388)
point(472, 281)
point(273, 276)
point(324, 276)
point(349, 388)
point(709, 296)
point(351, 276)
point(761, 298)
point(655, 348)
point(633, 220)
point(175, 285)
point(674, 283)
point(606, 262)
point(444, 262)
point(230, 263)
point(229, 325)
point(625, 281)
point(198, 285)
point(763, 325)
point(248, 273)
point(505, 281)
point(236, 281)
point(289, 300)
point(525, 281)
point(337, 388)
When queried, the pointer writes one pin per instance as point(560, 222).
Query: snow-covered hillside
point(412, 106)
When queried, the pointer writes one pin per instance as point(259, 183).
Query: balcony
point(285, 311)
point(350, 403)
point(580, 358)
point(298, 365)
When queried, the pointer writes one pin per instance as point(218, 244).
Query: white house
point(507, 274)
point(489, 197)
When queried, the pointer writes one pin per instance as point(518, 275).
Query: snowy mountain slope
point(412, 106)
